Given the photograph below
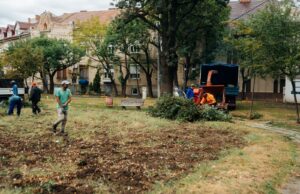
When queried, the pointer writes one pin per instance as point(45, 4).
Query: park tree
point(91, 35)
point(237, 46)
point(165, 18)
point(277, 30)
point(96, 83)
point(135, 42)
point(243, 42)
point(57, 56)
point(200, 35)
point(23, 59)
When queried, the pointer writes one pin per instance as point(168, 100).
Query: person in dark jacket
point(35, 97)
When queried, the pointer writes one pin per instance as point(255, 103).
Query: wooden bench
point(131, 102)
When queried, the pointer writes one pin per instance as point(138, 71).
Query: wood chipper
point(221, 80)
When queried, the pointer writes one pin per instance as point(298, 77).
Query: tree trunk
point(243, 84)
point(166, 78)
point(123, 84)
point(45, 85)
point(51, 77)
point(176, 83)
point(295, 98)
point(252, 98)
point(169, 58)
point(186, 72)
point(113, 83)
point(149, 85)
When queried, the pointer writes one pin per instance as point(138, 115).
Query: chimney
point(29, 20)
point(245, 1)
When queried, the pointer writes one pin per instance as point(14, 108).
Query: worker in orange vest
point(197, 95)
point(209, 99)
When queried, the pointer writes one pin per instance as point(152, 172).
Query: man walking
point(63, 99)
point(35, 97)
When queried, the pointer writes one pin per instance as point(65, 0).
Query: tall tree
point(170, 15)
point(97, 82)
point(23, 59)
point(57, 56)
point(277, 28)
point(91, 35)
point(134, 40)
point(200, 34)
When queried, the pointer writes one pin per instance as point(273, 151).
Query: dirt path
point(293, 185)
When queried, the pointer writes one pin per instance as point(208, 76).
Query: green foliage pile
point(255, 116)
point(175, 108)
point(209, 113)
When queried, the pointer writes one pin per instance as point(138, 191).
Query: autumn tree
point(23, 59)
point(135, 42)
point(91, 35)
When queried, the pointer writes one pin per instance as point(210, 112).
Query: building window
point(84, 73)
point(111, 49)
point(106, 74)
point(62, 74)
point(134, 91)
point(275, 86)
point(135, 48)
point(45, 26)
point(134, 72)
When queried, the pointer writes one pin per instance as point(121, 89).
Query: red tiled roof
point(2, 29)
point(9, 26)
point(24, 25)
point(104, 16)
point(243, 10)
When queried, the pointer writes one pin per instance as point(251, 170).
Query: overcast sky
point(21, 10)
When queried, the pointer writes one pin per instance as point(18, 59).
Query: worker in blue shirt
point(190, 92)
point(14, 88)
point(15, 101)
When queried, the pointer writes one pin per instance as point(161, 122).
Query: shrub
point(96, 83)
point(175, 108)
point(255, 116)
point(209, 113)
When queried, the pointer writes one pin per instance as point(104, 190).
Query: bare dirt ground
point(129, 166)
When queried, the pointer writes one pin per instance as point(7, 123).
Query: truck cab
point(5, 88)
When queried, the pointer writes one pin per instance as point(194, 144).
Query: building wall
point(288, 92)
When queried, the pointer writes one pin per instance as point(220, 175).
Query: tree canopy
point(57, 55)
point(276, 32)
point(166, 18)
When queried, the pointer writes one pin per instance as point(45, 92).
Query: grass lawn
point(109, 150)
point(277, 114)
